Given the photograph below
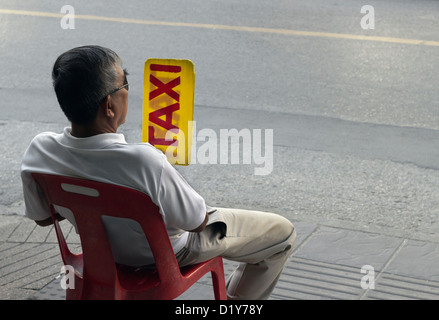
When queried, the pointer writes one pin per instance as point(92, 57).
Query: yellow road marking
point(226, 27)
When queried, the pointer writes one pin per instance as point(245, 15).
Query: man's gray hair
point(82, 78)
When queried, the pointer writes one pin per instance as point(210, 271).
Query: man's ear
point(106, 107)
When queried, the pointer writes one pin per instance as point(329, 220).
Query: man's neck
point(87, 131)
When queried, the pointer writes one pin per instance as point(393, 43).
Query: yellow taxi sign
point(168, 107)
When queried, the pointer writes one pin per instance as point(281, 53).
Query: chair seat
point(137, 278)
point(142, 281)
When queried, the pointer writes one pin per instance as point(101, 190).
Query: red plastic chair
point(97, 276)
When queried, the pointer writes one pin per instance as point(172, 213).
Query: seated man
point(92, 90)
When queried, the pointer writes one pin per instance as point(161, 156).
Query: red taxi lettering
point(164, 88)
point(166, 112)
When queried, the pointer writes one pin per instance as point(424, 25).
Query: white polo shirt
point(109, 158)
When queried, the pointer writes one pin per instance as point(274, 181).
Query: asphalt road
point(354, 112)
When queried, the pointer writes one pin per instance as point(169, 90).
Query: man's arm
point(49, 221)
point(201, 226)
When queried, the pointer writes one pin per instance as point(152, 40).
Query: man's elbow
point(45, 222)
point(48, 221)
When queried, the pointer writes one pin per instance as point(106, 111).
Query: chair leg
point(219, 285)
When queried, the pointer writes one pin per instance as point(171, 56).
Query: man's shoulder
point(46, 135)
point(141, 152)
point(43, 138)
point(141, 147)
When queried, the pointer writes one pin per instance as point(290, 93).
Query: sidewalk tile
point(417, 259)
point(350, 248)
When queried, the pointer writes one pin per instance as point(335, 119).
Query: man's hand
point(202, 226)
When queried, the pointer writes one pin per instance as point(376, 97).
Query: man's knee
point(284, 229)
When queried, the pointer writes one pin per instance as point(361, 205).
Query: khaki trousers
point(261, 241)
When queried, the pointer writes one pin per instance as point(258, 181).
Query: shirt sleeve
point(36, 207)
point(182, 206)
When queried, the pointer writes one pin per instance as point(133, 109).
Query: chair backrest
point(89, 201)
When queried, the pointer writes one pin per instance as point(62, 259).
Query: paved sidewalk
point(326, 264)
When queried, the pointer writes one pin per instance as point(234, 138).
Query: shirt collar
point(98, 141)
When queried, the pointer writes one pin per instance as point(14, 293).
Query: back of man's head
point(82, 78)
